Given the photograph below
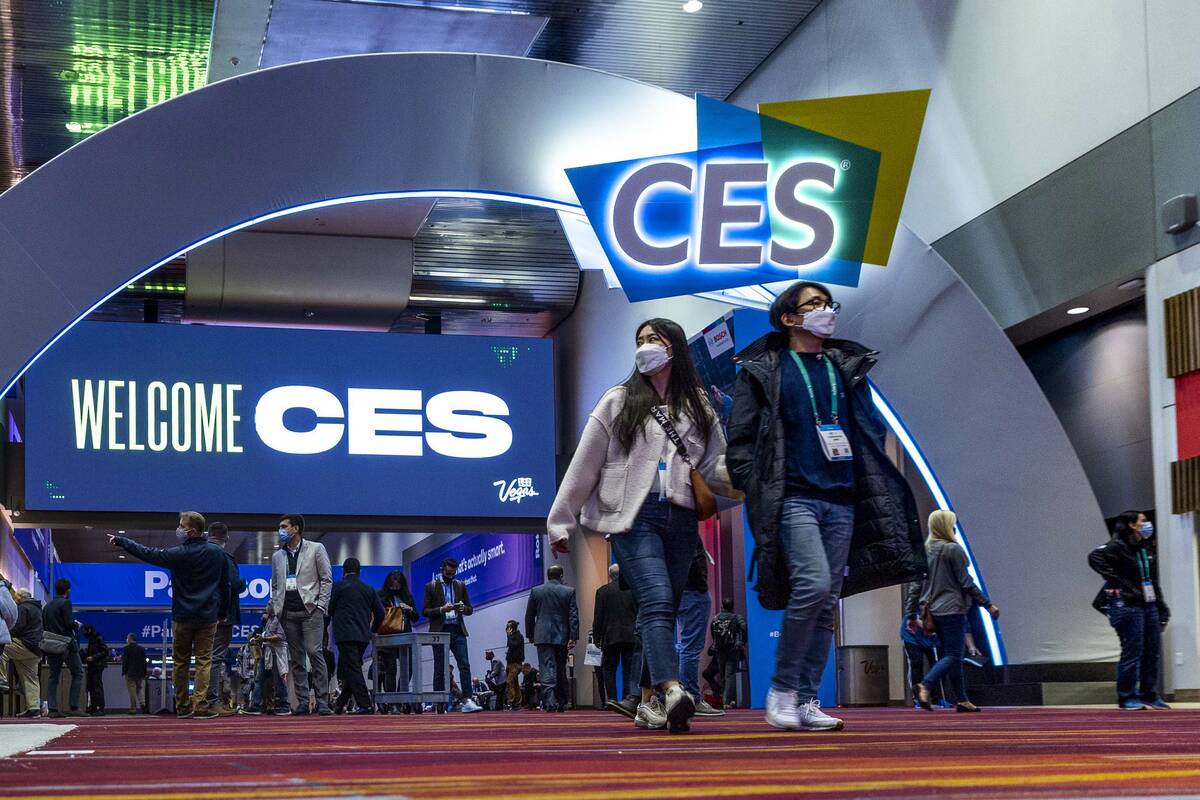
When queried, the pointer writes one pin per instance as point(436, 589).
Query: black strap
point(672, 434)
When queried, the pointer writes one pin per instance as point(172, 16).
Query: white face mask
point(651, 358)
point(820, 322)
point(181, 534)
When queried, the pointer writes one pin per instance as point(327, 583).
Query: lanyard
point(1144, 565)
point(833, 395)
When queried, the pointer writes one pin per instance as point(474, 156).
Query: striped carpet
point(1001, 753)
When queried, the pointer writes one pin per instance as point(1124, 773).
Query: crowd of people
point(802, 448)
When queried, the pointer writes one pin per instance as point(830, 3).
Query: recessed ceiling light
point(430, 298)
point(1130, 285)
point(121, 532)
point(692, 6)
point(1077, 310)
point(120, 556)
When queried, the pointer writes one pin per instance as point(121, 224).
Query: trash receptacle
point(863, 675)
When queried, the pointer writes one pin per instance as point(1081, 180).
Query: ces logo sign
point(763, 198)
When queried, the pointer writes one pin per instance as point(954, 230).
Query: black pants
point(95, 689)
point(611, 654)
point(727, 668)
point(552, 664)
point(349, 664)
point(918, 658)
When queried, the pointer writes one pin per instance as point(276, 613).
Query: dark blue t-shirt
point(809, 472)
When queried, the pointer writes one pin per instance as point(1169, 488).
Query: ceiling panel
point(299, 30)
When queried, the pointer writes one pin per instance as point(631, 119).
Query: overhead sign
point(493, 565)
point(141, 585)
point(800, 190)
point(255, 420)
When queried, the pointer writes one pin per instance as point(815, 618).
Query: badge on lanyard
point(1148, 593)
point(291, 583)
point(835, 444)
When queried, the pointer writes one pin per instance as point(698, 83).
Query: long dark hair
point(403, 592)
point(1124, 525)
point(685, 393)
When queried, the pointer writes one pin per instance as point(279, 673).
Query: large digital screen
point(128, 417)
point(492, 565)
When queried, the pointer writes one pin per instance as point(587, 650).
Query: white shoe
point(703, 709)
point(651, 716)
point(812, 718)
point(680, 709)
point(782, 709)
point(469, 706)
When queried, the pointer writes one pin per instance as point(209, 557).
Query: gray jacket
point(314, 577)
point(949, 589)
point(552, 616)
point(8, 614)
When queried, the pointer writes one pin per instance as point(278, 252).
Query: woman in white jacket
point(629, 481)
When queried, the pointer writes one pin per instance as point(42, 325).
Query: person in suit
point(356, 612)
point(301, 582)
point(133, 668)
point(218, 534)
point(446, 605)
point(552, 623)
point(613, 629)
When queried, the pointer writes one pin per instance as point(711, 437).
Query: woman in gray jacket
point(950, 593)
point(629, 480)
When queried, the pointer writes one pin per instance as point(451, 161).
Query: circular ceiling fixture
point(1074, 312)
point(692, 6)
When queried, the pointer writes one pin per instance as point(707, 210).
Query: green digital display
point(127, 55)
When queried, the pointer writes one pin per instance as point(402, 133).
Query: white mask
point(820, 322)
point(181, 535)
point(651, 358)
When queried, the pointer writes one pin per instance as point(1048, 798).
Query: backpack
point(725, 632)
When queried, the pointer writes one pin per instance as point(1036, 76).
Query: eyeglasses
point(816, 303)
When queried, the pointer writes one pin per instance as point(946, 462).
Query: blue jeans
point(552, 666)
point(694, 611)
point(952, 630)
point(75, 666)
point(458, 647)
point(1141, 645)
point(655, 556)
point(266, 673)
point(815, 539)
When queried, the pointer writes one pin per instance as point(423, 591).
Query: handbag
point(704, 500)
point(55, 644)
point(394, 621)
point(928, 624)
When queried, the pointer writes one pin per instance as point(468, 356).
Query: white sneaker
point(469, 706)
point(703, 709)
point(812, 718)
point(782, 709)
point(651, 716)
point(680, 709)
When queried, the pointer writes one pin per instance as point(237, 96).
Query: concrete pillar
point(587, 571)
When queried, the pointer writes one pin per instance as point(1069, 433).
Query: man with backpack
point(729, 638)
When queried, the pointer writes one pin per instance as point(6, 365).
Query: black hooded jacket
point(887, 547)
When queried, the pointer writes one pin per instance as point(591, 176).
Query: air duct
point(288, 279)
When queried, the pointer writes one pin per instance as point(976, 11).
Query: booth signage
point(152, 627)
point(252, 420)
point(492, 565)
point(760, 200)
point(141, 585)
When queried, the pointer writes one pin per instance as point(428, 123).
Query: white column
point(1176, 533)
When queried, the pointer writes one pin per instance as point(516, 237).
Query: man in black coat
point(807, 447)
point(356, 613)
point(133, 668)
point(552, 623)
point(199, 600)
point(59, 617)
point(613, 629)
point(447, 603)
point(514, 657)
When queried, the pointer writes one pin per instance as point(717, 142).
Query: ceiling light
point(1077, 310)
point(121, 532)
point(692, 6)
point(1130, 285)
point(434, 298)
point(120, 556)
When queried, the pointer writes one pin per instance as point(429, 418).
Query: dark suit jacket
point(552, 616)
point(355, 610)
point(133, 661)
point(434, 600)
point(616, 614)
